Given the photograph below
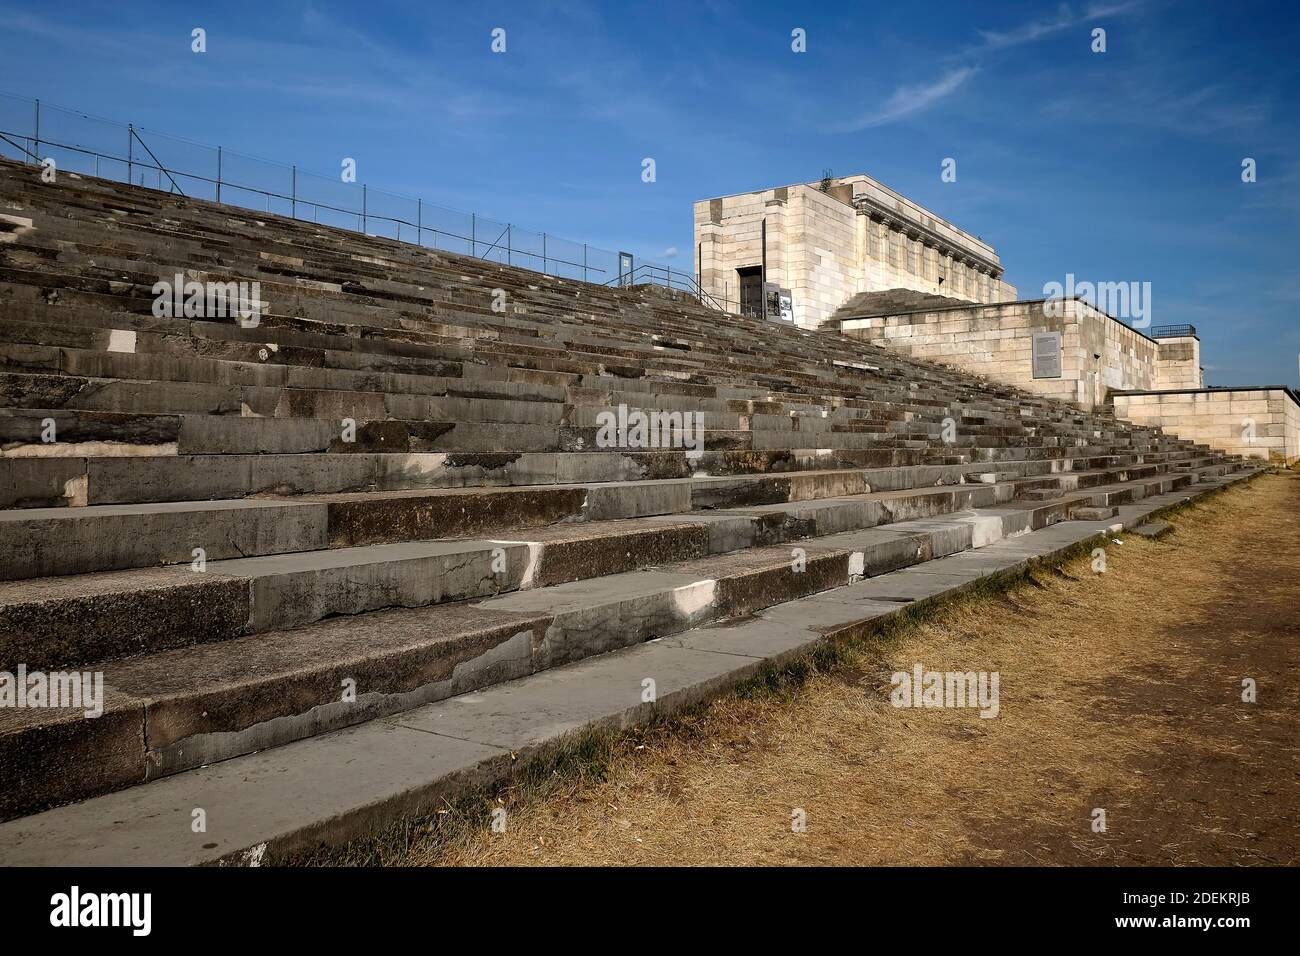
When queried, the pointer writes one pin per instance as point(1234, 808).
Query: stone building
point(1064, 349)
point(852, 256)
point(816, 245)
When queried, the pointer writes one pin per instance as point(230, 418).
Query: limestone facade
point(1261, 422)
point(826, 242)
point(1098, 354)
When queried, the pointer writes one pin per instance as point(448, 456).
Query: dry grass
point(1118, 690)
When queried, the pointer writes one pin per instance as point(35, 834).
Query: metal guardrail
point(365, 219)
point(92, 146)
point(654, 274)
point(1171, 331)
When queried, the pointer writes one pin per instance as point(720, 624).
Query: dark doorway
point(751, 290)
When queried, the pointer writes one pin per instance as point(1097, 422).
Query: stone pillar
point(709, 239)
point(1178, 363)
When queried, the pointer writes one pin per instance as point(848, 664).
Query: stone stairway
point(889, 302)
point(389, 494)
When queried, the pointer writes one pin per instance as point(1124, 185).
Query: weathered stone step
point(27, 432)
point(340, 785)
point(1137, 490)
point(249, 390)
point(565, 360)
point(41, 542)
point(125, 612)
point(195, 705)
point(199, 324)
point(40, 482)
point(204, 380)
point(51, 482)
point(37, 482)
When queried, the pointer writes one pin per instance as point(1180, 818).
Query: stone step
point(57, 481)
point(151, 609)
point(342, 784)
point(1137, 490)
point(251, 357)
point(199, 704)
point(256, 349)
point(40, 542)
point(411, 422)
point(170, 383)
point(125, 612)
point(39, 482)
point(1050, 493)
point(1093, 514)
point(1153, 529)
point(177, 473)
point(310, 371)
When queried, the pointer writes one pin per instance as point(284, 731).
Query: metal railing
point(36, 132)
point(1171, 331)
point(653, 274)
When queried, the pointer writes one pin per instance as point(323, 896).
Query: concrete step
point(123, 357)
point(62, 432)
point(40, 542)
point(175, 474)
point(198, 704)
point(342, 784)
point(308, 370)
point(1090, 513)
point(125, 612)
point(161, 384)
point(76, 481)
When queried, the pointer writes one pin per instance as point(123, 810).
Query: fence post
point(294, 194)
point(364, 209)
point(473, 234)
point(130, 147)
point(419, 222)
point(543, 252)
point(509, 261)
point(36, 148)
point(218, 174)
point(584, 262)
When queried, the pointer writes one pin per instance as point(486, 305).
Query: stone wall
point(1113, 355)
point(823, 254)
point(1098, 353)
point(1253, 422)
point(1179, 364)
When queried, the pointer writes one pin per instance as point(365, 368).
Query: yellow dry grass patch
point(1091, 666)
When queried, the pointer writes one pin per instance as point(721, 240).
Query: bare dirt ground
point(1119, 691)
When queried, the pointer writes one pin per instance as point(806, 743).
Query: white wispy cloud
point(907, 100)
point(1065, 18)
point(913, 98)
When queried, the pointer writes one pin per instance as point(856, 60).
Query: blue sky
point(1119, 166)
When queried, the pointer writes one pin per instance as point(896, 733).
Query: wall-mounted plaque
point(1047, 355)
